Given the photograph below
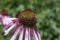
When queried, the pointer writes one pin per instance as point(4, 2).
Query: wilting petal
point(12, 18)
point(39, 36)
point(17, 21)
point(5, 20)
point(35, 35)
point(35, 28)
point(29, 34)
point(8, 30)
point(26, 34)
point(9, 25)
point(15, 34)
point(21, 34)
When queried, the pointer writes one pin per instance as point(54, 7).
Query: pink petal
point(35, 35)
point(39, 36)
point(8, 30)
point(15, 34)
point(29, 34)
point(6, 20)
point(7, 26)
point(26, 34)
point(12, 18)
point(7, 16)
point(21, 34)
point(17, 21)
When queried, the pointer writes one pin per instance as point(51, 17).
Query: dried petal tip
point(4, 12)
point(27, 17)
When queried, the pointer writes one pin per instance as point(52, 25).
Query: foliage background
point(47, 11)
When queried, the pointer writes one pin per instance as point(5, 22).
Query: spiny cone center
point(28, 18)
point(4, 12)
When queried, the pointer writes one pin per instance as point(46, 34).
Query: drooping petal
point(38, 35)
point(15, 34)
point(21, 34)
point(26, 34)
point(17, 21)
point(9, 25)
point(35, 28)
point(12, 18)
point(29, 34)
point(8, 30)
point(5, 20)
point(35, 35)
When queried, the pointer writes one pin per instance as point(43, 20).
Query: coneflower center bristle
point(4, 12)
point(27, 18)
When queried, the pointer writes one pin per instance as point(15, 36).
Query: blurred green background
point(47, 11)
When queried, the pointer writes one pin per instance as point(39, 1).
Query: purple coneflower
point(25, 25)
point(6, 19)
